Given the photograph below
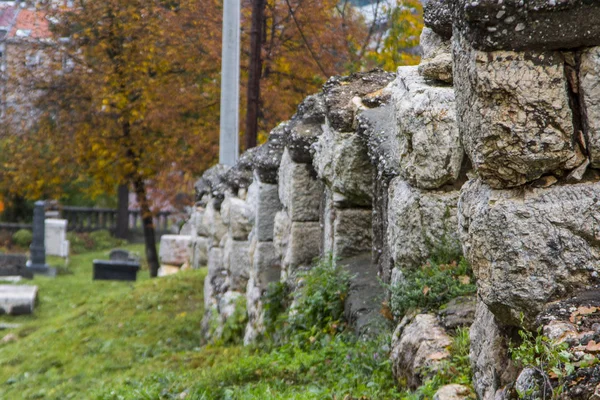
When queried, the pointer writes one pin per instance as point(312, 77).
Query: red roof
point(30, 23)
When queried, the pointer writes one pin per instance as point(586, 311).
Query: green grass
point(119, 340)
point(85, 334)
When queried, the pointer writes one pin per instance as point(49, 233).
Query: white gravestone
point(56, 237)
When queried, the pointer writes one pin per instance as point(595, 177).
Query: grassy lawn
point(118, 340)
point(85, 334)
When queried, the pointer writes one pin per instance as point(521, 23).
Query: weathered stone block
point(297, 243)
point(437, 15)
point(528, 25)
point(236, 216)
point(254, 308)
point(428, 139)
point(199, 252)
point(268, 156)
point(513, 114)
point(237, 262)
point(304, 128)
point(299, 189)
point(212, 219)
point(490, 361)
point(453, 392)
point(342, 162)
point(589, 83)
point(420, 222)
point(17, 299)
point(263, 203)
point(352, 232)
point(417, 347)
point(266, 265)
point(530, 246)
point(174, 249)
point(378, 128)
point(436, 62)
point(343, 96)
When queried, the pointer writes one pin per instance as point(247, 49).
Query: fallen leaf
point(586, 310)
point(464, 279)
point(426, 290)
point(592, 347)
point(438, 356)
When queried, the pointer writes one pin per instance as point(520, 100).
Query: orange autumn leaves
point(142, 96)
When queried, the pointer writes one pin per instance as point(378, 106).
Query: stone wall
point(488, 148)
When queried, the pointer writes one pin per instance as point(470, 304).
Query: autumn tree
point(136, 106)
point(304, 42)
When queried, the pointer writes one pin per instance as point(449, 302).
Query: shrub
point(22, 237)
point(317, 306)
point(94, 241)
point(431, 286)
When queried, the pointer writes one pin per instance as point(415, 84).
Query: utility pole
point(254, 74)
point(230, 83)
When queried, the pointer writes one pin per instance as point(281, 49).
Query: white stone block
point(174, 249)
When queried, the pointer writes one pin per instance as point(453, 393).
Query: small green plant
point(318, 303)
point(22, 238)
point(539, 352)
point(235, 324)
point(276, 302)
point(431, 286)
point(313, 313)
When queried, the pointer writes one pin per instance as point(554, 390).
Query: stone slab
point(17, 299)
point(174, 249)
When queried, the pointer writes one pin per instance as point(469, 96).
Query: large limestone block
point(254, 308)
point(490, 361)
point(436, 62)
point(216, 278)
point(352, 232)
point(530, 246)
point(236, 216)
point(199, 250)
point(237, 262)
point(378, 128)
point(513, 114)
point(175, 249)
point(266, 265)
point(417, 347)
point(297, 243)
point(428, 139)
point(342, 162)
point(281, 232)
point(263, 203)
point(211, 184)
point(437, 15)
point(299, 189)
point(304, 128)
point(213, 220)
point(528, 25)
point(589, 81)
point(343, 96)
point(268, 156)
point(420, 222)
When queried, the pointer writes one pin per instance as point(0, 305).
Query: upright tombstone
point(37, 264)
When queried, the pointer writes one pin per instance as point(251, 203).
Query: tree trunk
point(122, 229)
point(254, 75)
point(149, 232)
